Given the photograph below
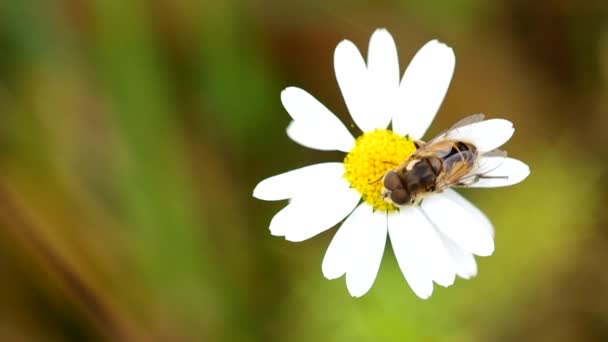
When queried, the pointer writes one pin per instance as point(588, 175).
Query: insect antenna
point(375, 181)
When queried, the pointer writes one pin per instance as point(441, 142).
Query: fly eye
point(400, 197)
point(392, 181)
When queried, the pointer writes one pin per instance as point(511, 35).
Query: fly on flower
point(377, 190)
point(448, 160)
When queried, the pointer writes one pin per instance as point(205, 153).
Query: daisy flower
point(433, 241)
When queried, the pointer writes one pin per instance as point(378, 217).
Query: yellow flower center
point(375, 153)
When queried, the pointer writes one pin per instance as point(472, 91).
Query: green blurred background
point(132, 134)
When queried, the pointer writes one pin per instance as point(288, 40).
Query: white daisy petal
point(423, 87)
point(471, 209)
point(486, 135)
point(383, 66)
point(420, 251)
point(311, 214)
point(312, 178)
point(435, 256)
point(459, 223)
point(368, 242)
point(508, 171)
point(354, 82)
point(464, 263)
point(341, 249)
point(314, 126)
point(409, 253)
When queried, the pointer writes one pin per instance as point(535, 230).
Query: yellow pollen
point(375, 153)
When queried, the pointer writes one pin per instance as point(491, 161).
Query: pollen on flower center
point(375, 153)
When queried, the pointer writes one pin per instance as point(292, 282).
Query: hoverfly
point(447, 160)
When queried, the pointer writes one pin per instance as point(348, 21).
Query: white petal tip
point(381, 31)
point(258, 192)
point(264, 191)
point(446, 283)
point(512, 130)
point(485, 248)
point(505, 125)
point(520, 177)
point(467, 276)
point(356, 293)
point(439, 45)
point(344, 44)
point(296, 238)
point(523, 172)
point(299, 133)
point(424, 296)
point(276, 232)
point(504, 122)
point(285, 93)
point(290, 130)
point(331, 276)
point(357, 287)
point(485, 252)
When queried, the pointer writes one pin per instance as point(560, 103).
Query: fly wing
point(445, 135)
point(485, 164)
point(457, 171)
point(468, 120)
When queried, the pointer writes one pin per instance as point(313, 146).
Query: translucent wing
point(445, 135)
point(465, 174)
point(457, 171)
point(471, 119)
